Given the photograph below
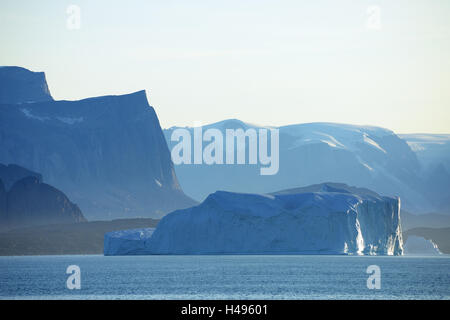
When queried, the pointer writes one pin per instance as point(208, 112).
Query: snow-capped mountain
point(431, 149)
point(433, 153)
point(329, 221)
point(312, 153)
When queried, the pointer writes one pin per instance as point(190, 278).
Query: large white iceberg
point(326, 222)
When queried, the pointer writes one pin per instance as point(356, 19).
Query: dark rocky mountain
point(19, 85)
point(31, 202)
point(12, 173)
point(26, 201)
point(427, 220)
point(108, 154)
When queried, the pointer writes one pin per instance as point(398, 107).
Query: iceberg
point(127, 242)
point(329, 221)
point(419, 245)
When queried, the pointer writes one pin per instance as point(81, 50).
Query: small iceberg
point(420, 246)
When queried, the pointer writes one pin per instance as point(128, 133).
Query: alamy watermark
point(374, 280)
point(74, 280)
point(234, 140)
point(73, 21)
point(373, 21)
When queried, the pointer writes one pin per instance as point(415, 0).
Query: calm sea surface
point(224, 277)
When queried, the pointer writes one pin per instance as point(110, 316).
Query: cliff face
point(19, 85)
point(31, 202)
point(108, 154)
point(323, 222)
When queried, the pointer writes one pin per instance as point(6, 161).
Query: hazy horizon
point(263, 62)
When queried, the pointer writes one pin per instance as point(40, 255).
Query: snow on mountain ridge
point(431, 149)
point(336, 135)
point(312, 153)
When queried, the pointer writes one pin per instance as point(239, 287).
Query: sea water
point(224, 277)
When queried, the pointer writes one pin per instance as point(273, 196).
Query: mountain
point(433, 153)
point(26, 201)
point(19, 85)
point(108, 154)
point(325, 222)
point(12, 173)
point(314, 153)
point(31, 202)
point(427, 220)
point(431, 149)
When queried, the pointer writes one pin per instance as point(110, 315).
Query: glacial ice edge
point(324, 222)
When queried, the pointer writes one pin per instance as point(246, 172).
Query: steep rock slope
point(108, 154)
point(19, 85)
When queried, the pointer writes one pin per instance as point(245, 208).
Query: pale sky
point(264, 62)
